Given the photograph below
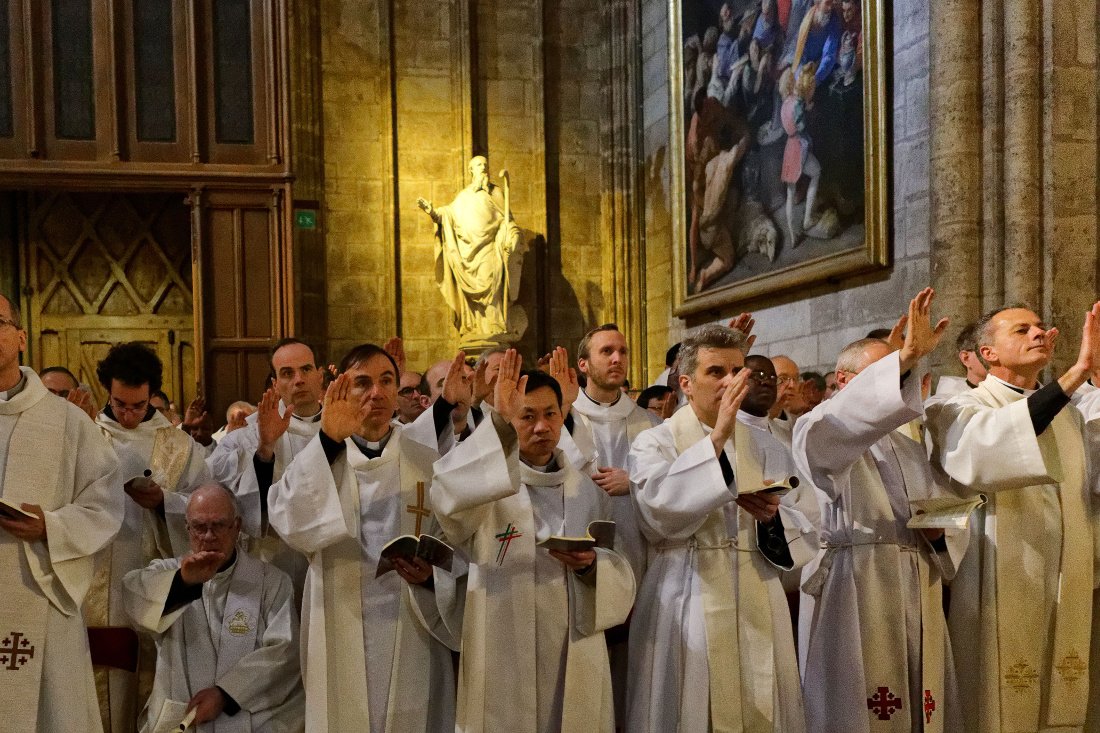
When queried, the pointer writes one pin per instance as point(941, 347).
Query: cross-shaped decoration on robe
point(929, 706)
point(883, 703)
point(505, 539)
point(418, 509)
point(15, 650)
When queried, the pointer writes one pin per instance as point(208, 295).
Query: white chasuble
point(533, 655)
point(231, 465)
point(368, 662)
point(1021, 593)
point(711, 641)
point(241, 635)
point(52, 455)
point(879, 658)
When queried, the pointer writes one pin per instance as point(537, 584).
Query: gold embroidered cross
point(418, 509)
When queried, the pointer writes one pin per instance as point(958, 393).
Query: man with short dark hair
point(658, 400)
point(498, 494)
point(358, 484)
point(59, 471)
point(966, 348)
point(411, 400)
point(226, 627)
point(249, 460)
point(63, 383)
point(158, 466)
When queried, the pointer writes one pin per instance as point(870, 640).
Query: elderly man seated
point(226, 626)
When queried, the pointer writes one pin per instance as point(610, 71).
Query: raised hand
point(566, 376)
point(744, 322)
point(735, 391)
point(458, 388)
point(199, 567)
point(509, 389)
point(270, 423)
point(82, 398)
point(920, 337)
point(343, 412)
point(482, 386)
point(395, 347)
point(1088, 356)
point(896, 339)
point(196, 421)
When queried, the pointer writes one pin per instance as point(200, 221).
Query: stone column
point(956, 162)
point(993, 159)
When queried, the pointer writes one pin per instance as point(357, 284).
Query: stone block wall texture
point(411, 91)
point(810, 326)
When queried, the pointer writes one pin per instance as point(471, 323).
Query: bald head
point(435, 375)
point(857, 356)
point(212, 499)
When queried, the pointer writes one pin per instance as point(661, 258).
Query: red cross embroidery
point(883, 703)
point(929, 706)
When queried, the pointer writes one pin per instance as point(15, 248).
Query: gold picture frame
point(764, 263)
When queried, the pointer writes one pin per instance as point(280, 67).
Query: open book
point(777, 487)
point(12, 511)
point(945, 512)
point(601, 533)
point(432, 550)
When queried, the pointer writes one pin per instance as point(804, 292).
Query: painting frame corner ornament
point(768, 193)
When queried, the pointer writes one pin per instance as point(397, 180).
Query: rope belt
point(694, 544)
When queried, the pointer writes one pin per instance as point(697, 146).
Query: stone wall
point(813, 325)
point(411, 91)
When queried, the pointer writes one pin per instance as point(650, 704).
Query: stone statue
point(478, 258)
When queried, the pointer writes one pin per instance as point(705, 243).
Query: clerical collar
point(760, 422)
point(602, 404)
point(227, 567)
point(372, 448)
point(1018, 390)
point(8, 394)
point(308, 418)
point(548, 468)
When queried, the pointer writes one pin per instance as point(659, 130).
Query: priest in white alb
point(158, 466)
point(226, 626)
point(879, 657)
point(55, 466)
point(711, 645)
point(249, 460)
point(1024, 594)
point(369, 664)
point(533, 653)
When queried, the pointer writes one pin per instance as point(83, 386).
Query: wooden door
point(104, 268)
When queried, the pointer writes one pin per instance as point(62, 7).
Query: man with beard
point(478, 257)
point(249, 460)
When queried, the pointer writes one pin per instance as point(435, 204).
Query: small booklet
point(12, 511)
point(945, 512)
point(432, 550)
point(778, 487)
point(172, 715)
point(601, 533)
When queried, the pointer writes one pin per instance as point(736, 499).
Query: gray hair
point(711, 336)
point(489, 352)
point(851, 358)
point(229, 495)
point(983, 334)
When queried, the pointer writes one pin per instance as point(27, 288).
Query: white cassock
point(240, 634)
point(178, 465)
point(533, 655)
point(369, 665)
point(711, 640)
point(1023, 592)
point(52, 455)
point(879, 658)
point(231, 465)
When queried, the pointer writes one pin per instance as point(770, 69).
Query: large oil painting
point(778, 117)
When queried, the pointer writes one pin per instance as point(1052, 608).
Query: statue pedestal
point(475, 344)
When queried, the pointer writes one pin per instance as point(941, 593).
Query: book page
point(12, 511)
point(171, 715)
point(777, 487)
point(946, 512)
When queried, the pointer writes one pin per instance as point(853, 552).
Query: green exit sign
point(305, 219)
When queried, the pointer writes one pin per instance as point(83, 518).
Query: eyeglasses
point(117, 407)
point(201, 529)
point(408, 391)
point(785, 379)
point(761, 377)
point(10, 322)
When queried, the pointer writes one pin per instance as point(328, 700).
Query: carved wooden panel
point(104, 268)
